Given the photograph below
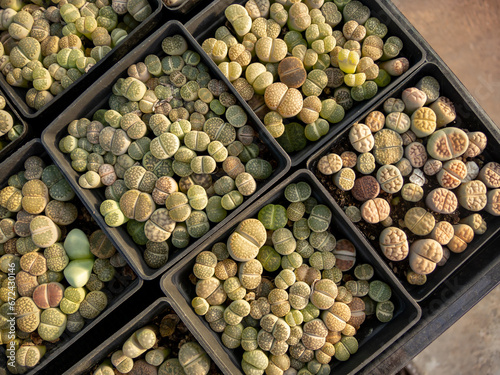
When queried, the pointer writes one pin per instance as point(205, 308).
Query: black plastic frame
point(14, 145)
point(96, 97)
point(11, 166)
point(373, 337)
point(467, 118)
point(49, 111)
point(204, 24)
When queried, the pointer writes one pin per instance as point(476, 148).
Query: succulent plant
point(52, 324)
point(93, 304)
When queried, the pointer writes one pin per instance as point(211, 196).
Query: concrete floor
point(465, 34)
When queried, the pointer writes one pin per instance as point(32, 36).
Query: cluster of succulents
point(10, 128)
point(173, 151)
point(308, 61)
point(411, 154)
point(60, 272)
point(47, 46)
point(286, 290)
point(164, 347)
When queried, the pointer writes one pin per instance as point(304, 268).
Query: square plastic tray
point(96, 97)
point(469, 118)
point(373, 336)
point(48, 112)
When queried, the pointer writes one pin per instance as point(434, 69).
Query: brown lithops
point(432, 166)
point(365, 188)
point(463, 235)
point(375, 121)
point(490, 175)
point(345, 253)
point(286, 101)
point(416, 153)
point(349, 159)
point(292, 72)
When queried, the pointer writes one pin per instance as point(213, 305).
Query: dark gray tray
point(204, 24)
point(469, 118)
point(373, 336)
point(96, 97)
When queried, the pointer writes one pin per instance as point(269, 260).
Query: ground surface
point(465, 34)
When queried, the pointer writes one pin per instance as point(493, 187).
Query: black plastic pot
point(116, 340)
point(468, 117)
point(14, 145)
point(203, 26)
point(373, 336)
point(118, 290)
point(96, 97)
point(48, 112)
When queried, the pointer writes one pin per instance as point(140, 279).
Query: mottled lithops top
point(447, 143)
point(388, 147)
point(247, 239)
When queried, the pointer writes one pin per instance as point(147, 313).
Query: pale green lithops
point(273, 216)
point(245, 242)
point(193, 359)
point(388, 147)
point(52, 324)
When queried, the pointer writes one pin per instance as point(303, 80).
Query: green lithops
point(52, 324)
point(248, 238)
point(93, 304)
